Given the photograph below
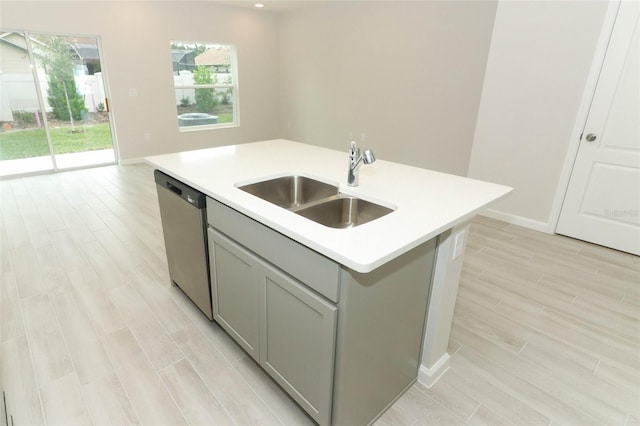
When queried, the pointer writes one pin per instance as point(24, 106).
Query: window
point(206, 85)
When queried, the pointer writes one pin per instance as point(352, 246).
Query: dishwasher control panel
point(187, 193)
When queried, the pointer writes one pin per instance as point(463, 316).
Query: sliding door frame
point(43, 105)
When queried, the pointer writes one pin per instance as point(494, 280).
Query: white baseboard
point(130, 161)
point(429, 376)
point(513, 219)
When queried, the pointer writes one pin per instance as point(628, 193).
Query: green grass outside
point(33, 142)
point(225, 117)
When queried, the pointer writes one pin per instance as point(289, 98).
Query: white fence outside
point(185, 78)
point(18, 93)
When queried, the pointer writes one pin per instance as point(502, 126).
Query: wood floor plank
point(19, 383)
point(229, 349)
point(631, 301)
point(282, 406)
point(141, 382)
point(110, 272)
point(62, 402)
point(546, 391)
point(590, 336)
point(107, 403)
point(11, 319)
point(86, 350)
point(627, 276)
point(620, 393)
point(492, 397)
point(28, 275)
point(226, 384)
point(395, 416)
point(157, 296)
point(484, 295)
point(543, 393)
point(93, 298)
point(52, 268)
point(193, 397)
point(554, 271)
point(454, 399)
point(36, 230)
point(123, 254)
point(155, 258)
point(613, 316)
point(51, 219)
point(50, 356)
point(9, 205)
point(521, 322)
point(149, 333)
point(5, 256)
point(627, 377)
point(551, 297)
point(604, 256)
point(492, 331)
point(584, 286)
point(25, 202)
point(66, 252)
point(425, 410)
point(89, 218)
point(78, 230)
point(485, 417)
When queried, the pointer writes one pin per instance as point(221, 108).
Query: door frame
point(42, 97)
point(583, 113)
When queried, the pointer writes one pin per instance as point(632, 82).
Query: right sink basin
point(317, 201)
point(344, 212)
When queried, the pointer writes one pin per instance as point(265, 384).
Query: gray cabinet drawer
point(315, 270)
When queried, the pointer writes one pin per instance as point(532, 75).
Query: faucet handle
point(368, 157)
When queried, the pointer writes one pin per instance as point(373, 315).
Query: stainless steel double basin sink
point(317, 201)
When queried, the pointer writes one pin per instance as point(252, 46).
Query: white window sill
point(207, 127)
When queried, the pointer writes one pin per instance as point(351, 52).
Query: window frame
point(234, 86)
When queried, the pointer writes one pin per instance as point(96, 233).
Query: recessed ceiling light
point(259, 5)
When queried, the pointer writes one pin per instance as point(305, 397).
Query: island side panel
point(442, 301)
point(379, 337)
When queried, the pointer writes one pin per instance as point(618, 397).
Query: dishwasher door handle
point(174, 188)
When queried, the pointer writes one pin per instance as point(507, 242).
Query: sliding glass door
point(62, 76)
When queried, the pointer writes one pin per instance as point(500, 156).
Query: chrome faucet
point(356, 160)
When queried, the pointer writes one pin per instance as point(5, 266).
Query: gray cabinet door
point(298, 341)
point(235, 291)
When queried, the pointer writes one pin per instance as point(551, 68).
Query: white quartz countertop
point(426, 202)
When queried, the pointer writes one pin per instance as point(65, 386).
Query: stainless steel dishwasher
point(184, 224)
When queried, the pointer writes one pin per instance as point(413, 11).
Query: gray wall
point(407, 74)
point(540, 57)
point(135, 41)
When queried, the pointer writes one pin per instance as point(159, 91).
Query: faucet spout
point(356, 160)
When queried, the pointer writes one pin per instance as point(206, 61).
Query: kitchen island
point(380, 295)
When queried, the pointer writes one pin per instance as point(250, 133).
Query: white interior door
point(602, 203)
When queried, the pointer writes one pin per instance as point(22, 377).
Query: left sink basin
point(291, 191)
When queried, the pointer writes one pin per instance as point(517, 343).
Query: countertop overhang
point(426, 202)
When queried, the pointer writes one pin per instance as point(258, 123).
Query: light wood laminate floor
point(546, 328)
